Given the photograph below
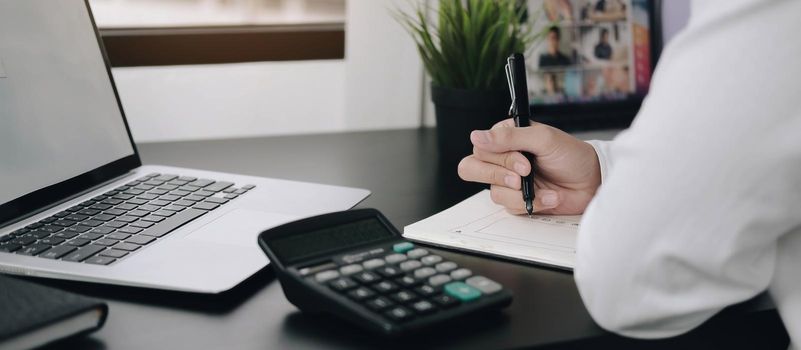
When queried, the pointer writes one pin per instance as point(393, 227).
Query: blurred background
point(208, 69)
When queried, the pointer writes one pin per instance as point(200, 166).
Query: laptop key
point(23, 240)
point(103, 217)
point(201, 182)
point(89, 211)
point(180, 193)
point(159, 191)
point(142, 224)
point(6, 238)
point(75, 209)
point(66, 235)
point(57, 252)
point(33, 249)
point(218, 186)
point(102, 230)
point(148, 207)
point(167, 187)
point(78, 229)
point(9, 247)
point(141, 240)
point(102, 206)
point(38, 234)
point(165, 177)
point(153, 218)
point(173, 222)
point(140, 200)
point(165, 213)
point(92, 223)
point(91, 236)
point(84, 253)
point(51, 228)
point(127, 246)
point(216, 200)
point(76, 217)
point(118, 236)
point(169, 197)
point(138, 213)
point(114, 253)
point(130, 230)
point(159, 202)
point(206, 206)
point(127, 219)
point(100, 260)
point(105, 242)
point(79, 242)
point(64, 223)
point(115, 212)
point(174, 207)
point(126, 206)
point(184, 203)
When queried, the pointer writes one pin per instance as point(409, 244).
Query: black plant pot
point(460, 111)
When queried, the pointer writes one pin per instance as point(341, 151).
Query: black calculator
point(356, 266)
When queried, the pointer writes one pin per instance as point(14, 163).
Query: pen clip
point(511, 83)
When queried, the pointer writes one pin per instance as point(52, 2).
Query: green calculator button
point(403, 247)
point(462, 291)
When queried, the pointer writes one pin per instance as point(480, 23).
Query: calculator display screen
point(303, 245)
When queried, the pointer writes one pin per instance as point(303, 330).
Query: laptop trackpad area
point(239, 227)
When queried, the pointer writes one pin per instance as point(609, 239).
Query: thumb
point(536, 139)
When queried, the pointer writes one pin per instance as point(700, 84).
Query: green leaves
point(468, 46)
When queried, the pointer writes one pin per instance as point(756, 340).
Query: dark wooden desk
point(402, 170)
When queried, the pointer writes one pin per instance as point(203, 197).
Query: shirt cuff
point(602, 151)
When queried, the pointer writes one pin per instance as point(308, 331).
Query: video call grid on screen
point(591, 51)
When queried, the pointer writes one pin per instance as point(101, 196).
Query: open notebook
point(478, 225)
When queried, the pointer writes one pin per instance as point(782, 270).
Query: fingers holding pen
point(475, 170)
point(544, 200)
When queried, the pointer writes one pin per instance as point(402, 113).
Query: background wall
point(379, 85)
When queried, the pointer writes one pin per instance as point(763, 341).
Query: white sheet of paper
point(478, 225)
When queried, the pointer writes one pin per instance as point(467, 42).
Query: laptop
point(75, 201)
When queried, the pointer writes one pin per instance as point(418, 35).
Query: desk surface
point(401, 169)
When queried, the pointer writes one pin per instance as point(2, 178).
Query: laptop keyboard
point(116, 224)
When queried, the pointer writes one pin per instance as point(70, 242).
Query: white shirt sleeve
point(697, 192)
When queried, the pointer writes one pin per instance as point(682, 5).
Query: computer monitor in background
point(593, 66)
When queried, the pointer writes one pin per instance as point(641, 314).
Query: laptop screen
point(59, 113)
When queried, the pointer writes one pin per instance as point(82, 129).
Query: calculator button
point(426, 290)
point(417, 253)
point(461, 274)
point(399, 313)
point(404, 296)
point(361, 293)
point(445, 301)
point(439, 280)
point(485, 285)
point(343, 284)
point(326, 276)
point(446, 266)
point(431, 259)
point(366, 277)
point(389, 271)
point(403, 247)
point(408, 281)
point(385, 287)
point(373, 263)
point(380, 303)
point(350, 269)
point(410, 265)
point(424, 307)
point(462, 291)
point(424, 272)
point(395, 258)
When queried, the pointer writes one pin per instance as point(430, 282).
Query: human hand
point(566, 175)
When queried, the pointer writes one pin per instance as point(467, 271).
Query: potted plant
point(464, 53)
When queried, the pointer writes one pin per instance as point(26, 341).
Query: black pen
point(520, 110)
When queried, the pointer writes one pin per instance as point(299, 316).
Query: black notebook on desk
point(32, 315)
